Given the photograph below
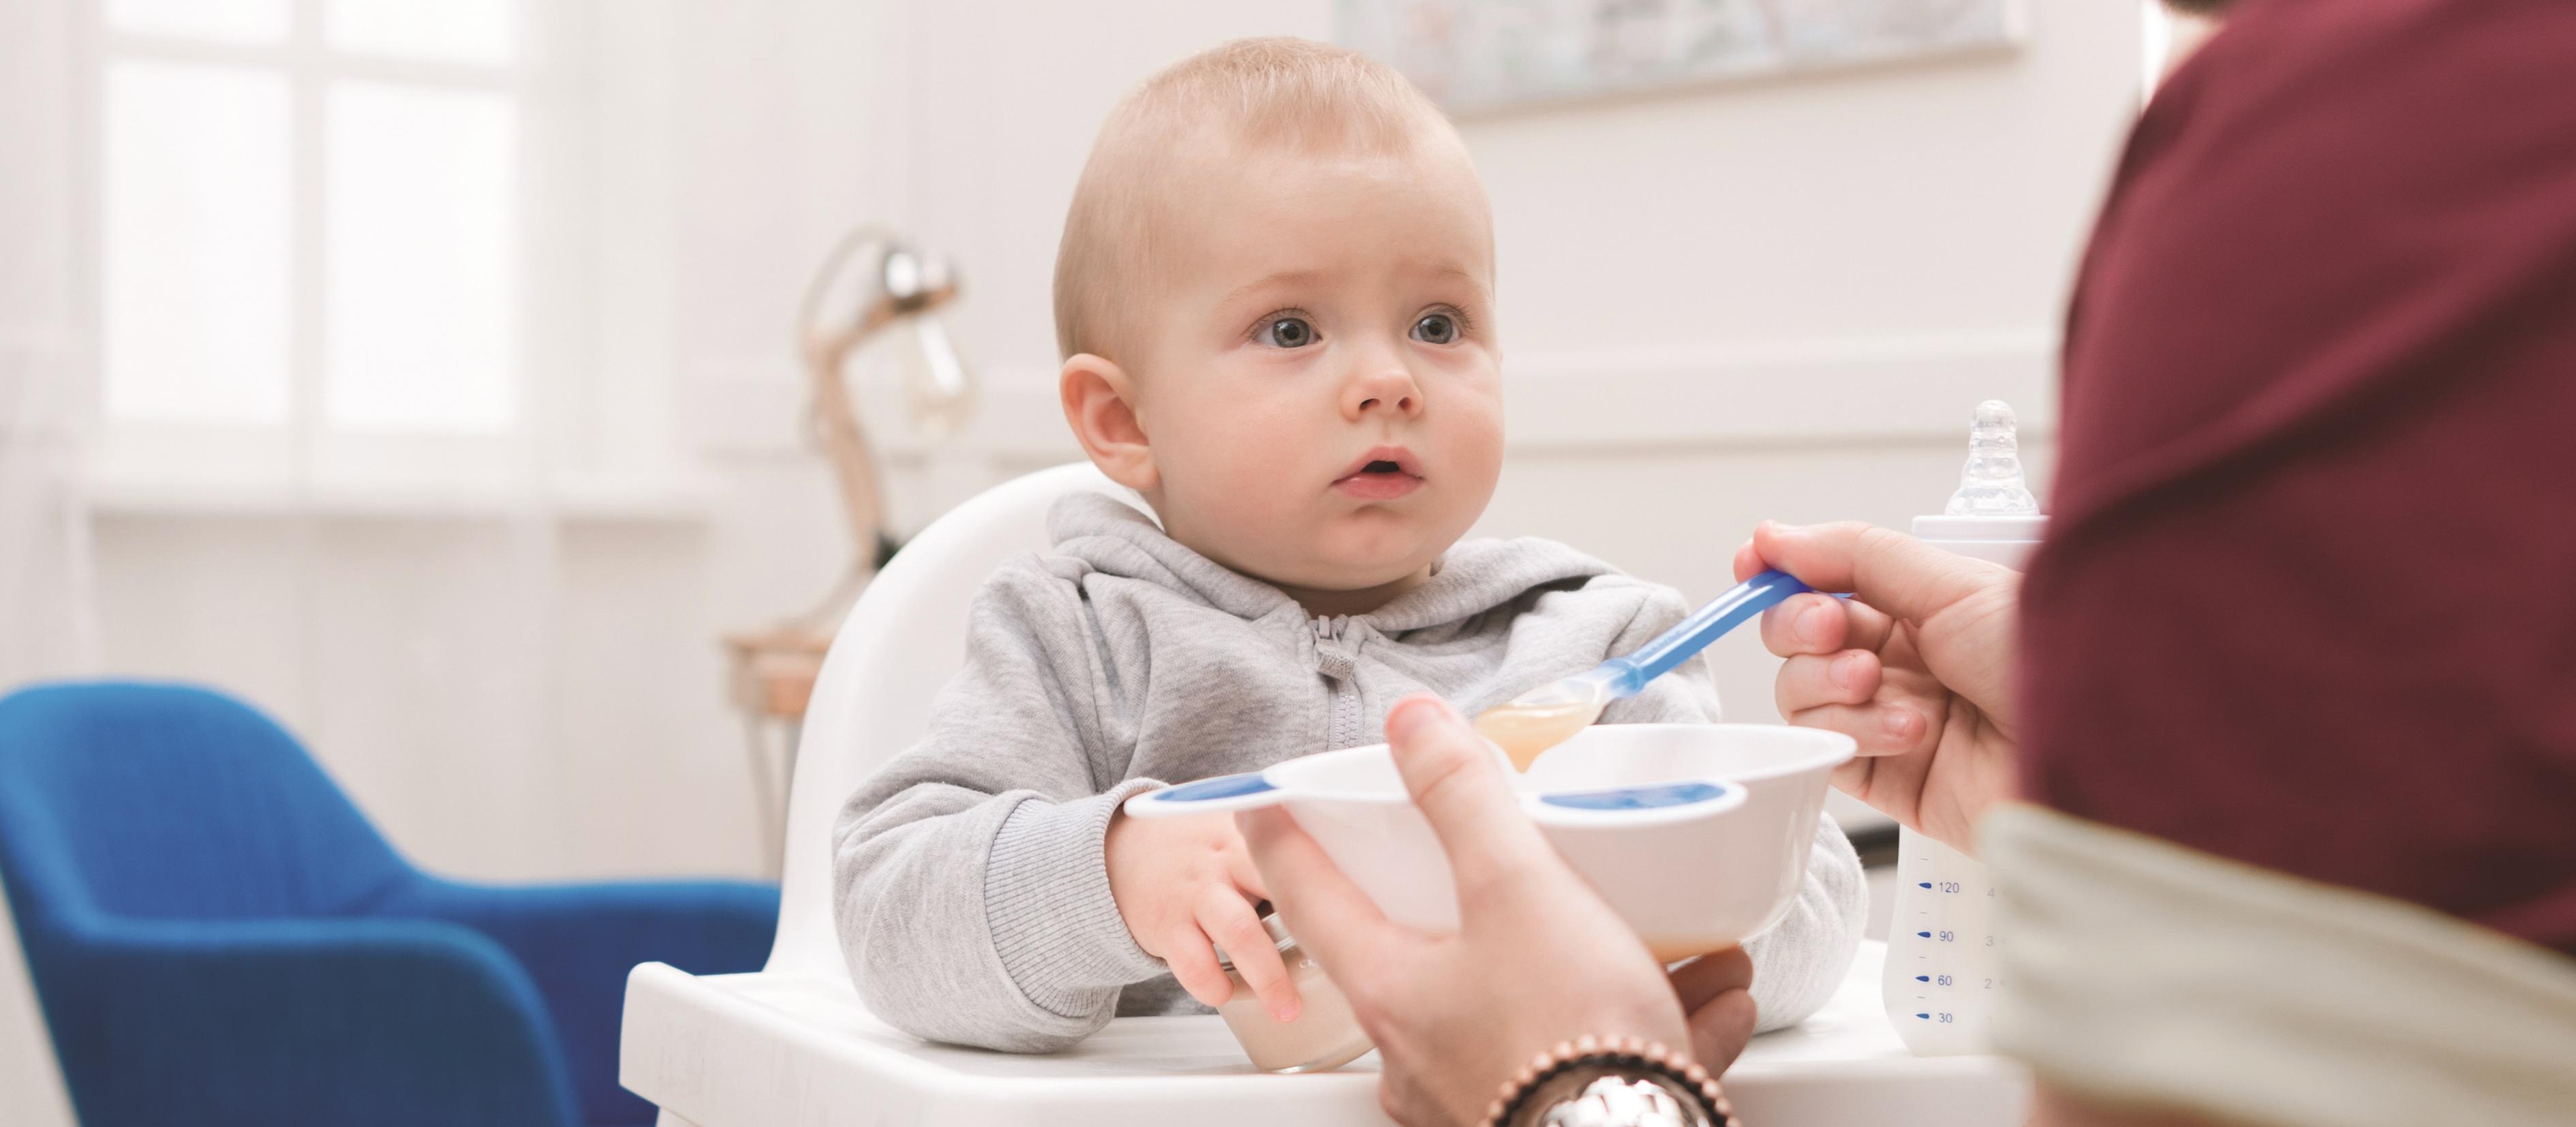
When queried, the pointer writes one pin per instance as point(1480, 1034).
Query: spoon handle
point(1705, 625)
point(1223, 794)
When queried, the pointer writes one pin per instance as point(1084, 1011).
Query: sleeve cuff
point(1047, 903)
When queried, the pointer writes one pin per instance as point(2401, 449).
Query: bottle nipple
point(1991, 484)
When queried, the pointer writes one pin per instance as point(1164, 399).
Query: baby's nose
point(1388, 388)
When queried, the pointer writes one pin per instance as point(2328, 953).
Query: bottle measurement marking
point(1958, 915)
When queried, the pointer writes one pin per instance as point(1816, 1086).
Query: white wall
point(1776, 299)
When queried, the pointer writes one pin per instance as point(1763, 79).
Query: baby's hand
point(1185, 886)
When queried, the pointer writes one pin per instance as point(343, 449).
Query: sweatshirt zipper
point(1336, 659)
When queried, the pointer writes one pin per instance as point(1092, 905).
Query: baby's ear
point(1100, 405)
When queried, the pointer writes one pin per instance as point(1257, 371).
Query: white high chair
point(792, 1046)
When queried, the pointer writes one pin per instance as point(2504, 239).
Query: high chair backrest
point(903, 640)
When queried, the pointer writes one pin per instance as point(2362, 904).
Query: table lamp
point(872, 287)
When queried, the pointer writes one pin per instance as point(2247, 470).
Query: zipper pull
point(1332, 652)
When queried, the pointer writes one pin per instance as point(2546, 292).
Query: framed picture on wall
point(1475, 55)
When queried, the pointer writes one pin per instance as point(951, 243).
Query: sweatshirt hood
point(1115, 538)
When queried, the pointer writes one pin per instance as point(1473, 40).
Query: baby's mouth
point(1380, 478)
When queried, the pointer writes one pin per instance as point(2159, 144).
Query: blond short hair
point(1278, 91)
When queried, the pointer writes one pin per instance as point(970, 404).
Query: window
point(313, 231)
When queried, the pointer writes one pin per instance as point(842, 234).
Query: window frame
point(191, 462)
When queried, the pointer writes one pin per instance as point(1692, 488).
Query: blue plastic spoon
point(1551, 714)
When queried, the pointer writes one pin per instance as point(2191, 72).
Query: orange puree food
point(1523, 731)
point(1670, 951)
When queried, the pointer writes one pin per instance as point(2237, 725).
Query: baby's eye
point(1436, 328)
point(1287, 332)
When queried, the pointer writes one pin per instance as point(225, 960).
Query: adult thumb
point(1458, 782)
point(1893, 572)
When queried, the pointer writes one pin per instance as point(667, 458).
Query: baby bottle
point(1940, 982)
point(1325, 1034)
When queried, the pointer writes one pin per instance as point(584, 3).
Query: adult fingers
point(1193, 961)
point(1228, 919)
point(1454, 778)
point(1747, 562)
point(1891, 571)
point(1804, 624)
point(1809, 681)
point(1720, 1027)
point(1822, 624)
point(1330, 916)
point(1880, 728)
point(1710, 975)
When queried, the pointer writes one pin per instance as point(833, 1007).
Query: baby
point(1275, 301)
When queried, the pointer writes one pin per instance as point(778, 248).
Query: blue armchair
point(218, 936)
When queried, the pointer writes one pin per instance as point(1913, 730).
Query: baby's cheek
point(1261, 454)
point(1239, 483)
point(1241, 467)
point(1474, 437)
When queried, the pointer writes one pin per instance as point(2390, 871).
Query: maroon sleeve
point(2310, 596)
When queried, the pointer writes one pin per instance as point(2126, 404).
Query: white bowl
point(1703, 844)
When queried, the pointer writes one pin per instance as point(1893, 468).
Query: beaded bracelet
point(1624, 1054)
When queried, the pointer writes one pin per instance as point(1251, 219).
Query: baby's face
point(1318, 383)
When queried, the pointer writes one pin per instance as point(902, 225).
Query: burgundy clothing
point(2309, 599)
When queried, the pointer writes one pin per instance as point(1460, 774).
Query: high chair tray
point(765, 1050)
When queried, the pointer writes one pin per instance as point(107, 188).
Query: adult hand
point(1917, 666)
point(1538, 957)
point(1716, 990)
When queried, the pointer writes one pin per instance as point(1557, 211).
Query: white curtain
point(46, 625)
point(46, 628)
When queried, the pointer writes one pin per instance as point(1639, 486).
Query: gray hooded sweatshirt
point(970, 887)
